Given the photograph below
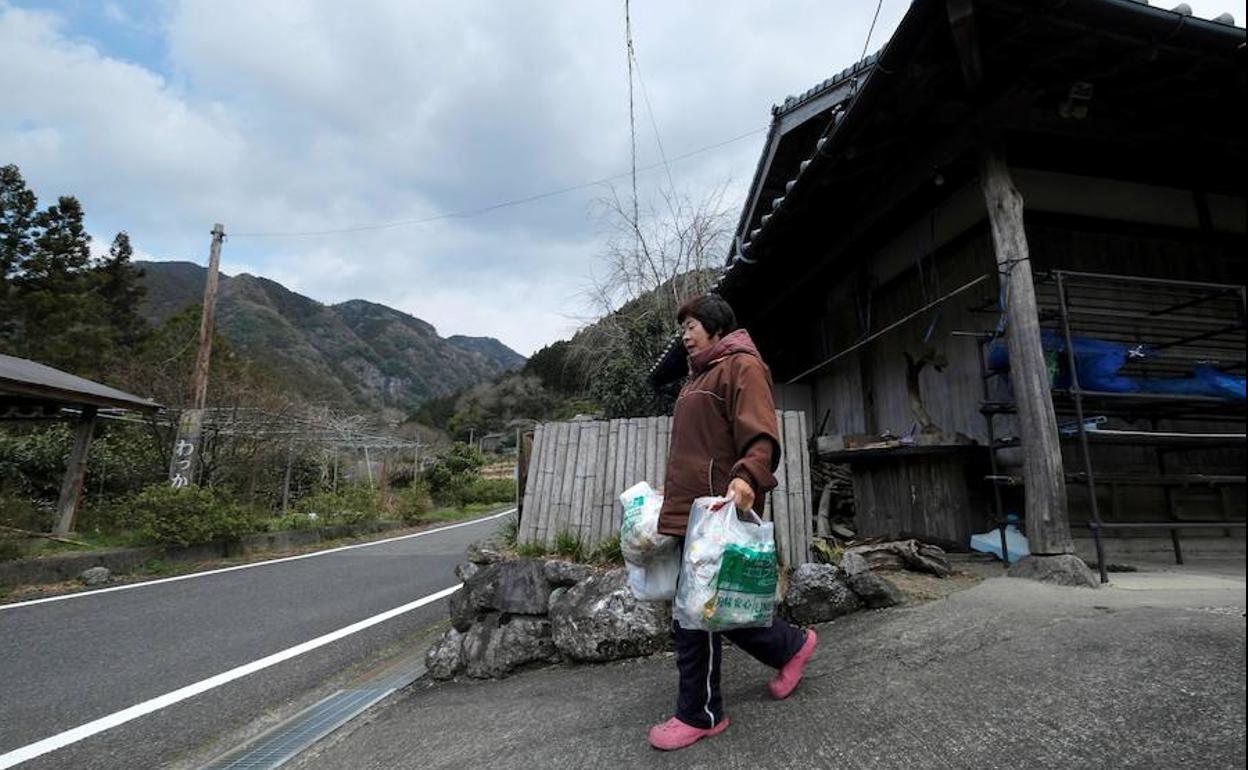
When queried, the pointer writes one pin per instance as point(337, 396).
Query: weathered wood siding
point(865, 392)
point(578, 469)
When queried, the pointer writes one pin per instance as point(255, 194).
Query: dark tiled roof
point(20, 376)
point(858, 70)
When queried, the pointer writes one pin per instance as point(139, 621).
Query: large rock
point(854, 563)
point(466, 570)
point(95, 576)
point(598, 619)
point(1062, 569)
point(566, 573)
point(818, 593)
point(501, 642)
point(446, 657)
point(485, 553)
point(516, 587)
point(875, 591)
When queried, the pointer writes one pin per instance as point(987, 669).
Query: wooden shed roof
point(38, 382)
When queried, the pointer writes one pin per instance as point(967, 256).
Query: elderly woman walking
point(725, 442)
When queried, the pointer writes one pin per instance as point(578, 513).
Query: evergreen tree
point(17, 211)
point(117, 281)
point(59, 310)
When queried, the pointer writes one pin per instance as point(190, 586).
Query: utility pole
point(187, 445)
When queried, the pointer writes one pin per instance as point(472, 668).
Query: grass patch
point(608, 552)
point(531, 549)
point(156, 567)
point(569, 545)
point(11, 550)
point(451, 513)
point(509, 531)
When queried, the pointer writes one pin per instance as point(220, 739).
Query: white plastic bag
point(656, 581)
point(729, 571)
point(640, 540)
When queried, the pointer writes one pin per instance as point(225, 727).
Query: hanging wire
point(632, 123)
point(467, 213)
point(654, 124)
point(866, 43)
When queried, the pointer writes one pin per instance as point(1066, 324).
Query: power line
point(632, 122)
point(465, 213)
point(874, 18)
point(645, 96)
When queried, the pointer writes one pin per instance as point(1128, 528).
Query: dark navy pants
point(698, 656)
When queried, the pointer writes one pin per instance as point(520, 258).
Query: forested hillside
point(356, 354)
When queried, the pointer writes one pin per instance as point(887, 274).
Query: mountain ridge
point(358, 354)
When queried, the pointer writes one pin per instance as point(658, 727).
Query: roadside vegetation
point(450, 489)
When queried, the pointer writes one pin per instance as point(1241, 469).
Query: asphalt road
point(66, 663)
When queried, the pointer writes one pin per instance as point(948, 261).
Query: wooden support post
point(1048, 526)
point(384, 481)
point(290, 456)
point(75, 471)
point(187, 445)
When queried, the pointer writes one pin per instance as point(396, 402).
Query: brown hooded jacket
point(724, 426)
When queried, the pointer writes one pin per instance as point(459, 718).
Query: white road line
point(61, 740)
point(250, 565)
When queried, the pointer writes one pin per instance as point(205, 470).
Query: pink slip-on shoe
point(675, 734)
point(783, 685)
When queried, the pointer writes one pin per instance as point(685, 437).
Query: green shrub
point(32, 459)
point(10, 549)
point(292, 520)
point(123, 459)
point(189, 516)
point(569, 545)
point(412, 503)
point(18, 510)
point(349, 505)
point(488, 491)
point(452, 476)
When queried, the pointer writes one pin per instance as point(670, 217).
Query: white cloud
point(302, 115)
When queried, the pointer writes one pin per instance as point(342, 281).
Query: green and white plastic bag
point(653, 559)
point(729, 571)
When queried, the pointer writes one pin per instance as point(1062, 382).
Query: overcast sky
point(299, 115)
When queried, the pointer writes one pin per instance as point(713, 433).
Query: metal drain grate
point(284, 741)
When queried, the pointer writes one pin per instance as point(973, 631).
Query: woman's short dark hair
point(712, 311)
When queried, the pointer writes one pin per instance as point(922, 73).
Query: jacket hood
point(738, 341)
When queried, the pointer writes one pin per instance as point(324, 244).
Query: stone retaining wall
point(512, 613)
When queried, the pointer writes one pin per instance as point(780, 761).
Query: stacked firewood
point(833, 489)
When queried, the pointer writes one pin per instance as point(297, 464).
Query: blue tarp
point(1099, 362)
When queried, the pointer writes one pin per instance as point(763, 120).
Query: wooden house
point(1003, 181)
